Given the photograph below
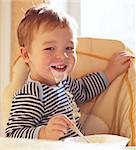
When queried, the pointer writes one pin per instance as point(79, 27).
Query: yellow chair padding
point(114, 111)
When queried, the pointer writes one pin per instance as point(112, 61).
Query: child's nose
point(61, 55)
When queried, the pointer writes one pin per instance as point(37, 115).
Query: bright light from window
point(115, 19)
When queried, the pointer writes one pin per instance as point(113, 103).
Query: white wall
point(72, 7)
point(4, 47)
point(60, 4)
point(114, 19)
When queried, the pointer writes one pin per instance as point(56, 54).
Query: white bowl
point(103, 141)
point(130, 148)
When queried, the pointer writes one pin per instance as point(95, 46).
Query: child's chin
point(59, 76)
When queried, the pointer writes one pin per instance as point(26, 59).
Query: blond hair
point(38, 15)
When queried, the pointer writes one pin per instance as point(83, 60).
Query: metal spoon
point(75, 129)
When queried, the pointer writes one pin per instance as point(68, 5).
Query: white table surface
point(27, 144)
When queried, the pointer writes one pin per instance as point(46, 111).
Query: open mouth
point(59, 72)
point(59, 68)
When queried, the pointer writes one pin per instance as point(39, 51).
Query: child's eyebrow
point(52, 42)
point(48, 42)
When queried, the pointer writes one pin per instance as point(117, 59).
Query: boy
point(45, 107)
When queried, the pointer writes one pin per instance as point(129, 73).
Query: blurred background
point(110, 19)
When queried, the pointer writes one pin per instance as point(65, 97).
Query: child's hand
point(118, 64)
point(57, 127)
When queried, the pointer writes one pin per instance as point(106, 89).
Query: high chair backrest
point(91, 49)
point(88, 50)
point(114, 111)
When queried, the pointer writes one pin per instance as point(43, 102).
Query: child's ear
point(24, 54)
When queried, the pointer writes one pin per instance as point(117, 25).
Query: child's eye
point(69, 48)
point(49, 49)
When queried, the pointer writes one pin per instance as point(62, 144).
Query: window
point(115, 19)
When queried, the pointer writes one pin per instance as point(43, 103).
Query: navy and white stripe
point(30, 111)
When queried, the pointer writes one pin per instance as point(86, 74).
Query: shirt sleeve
point(89, 86)
point(26, 113)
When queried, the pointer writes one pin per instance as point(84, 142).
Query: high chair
point(113, 111)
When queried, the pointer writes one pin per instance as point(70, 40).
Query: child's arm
point(56, 128)
point(118, 64)
point(26, 113)
point(93, 84)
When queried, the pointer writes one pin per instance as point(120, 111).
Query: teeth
point(59, 67)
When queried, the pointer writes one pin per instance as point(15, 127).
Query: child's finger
point(127, 54)
point(60, 127)
point(62, 122)
point(128, 62)
point(65, 119)
point(125, 60)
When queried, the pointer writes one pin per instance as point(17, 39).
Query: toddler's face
point(52, 55)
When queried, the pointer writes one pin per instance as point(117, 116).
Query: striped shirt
point(35, 103)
